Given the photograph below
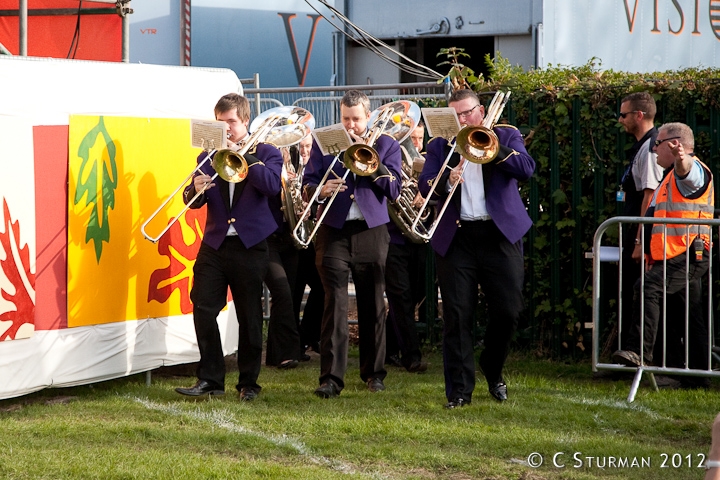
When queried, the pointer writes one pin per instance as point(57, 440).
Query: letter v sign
point(630, 20)
point(300, 72)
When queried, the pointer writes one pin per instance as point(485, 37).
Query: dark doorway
point(425, 50)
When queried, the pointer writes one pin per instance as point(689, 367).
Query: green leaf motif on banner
point(97, 152)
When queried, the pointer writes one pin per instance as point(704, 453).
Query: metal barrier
point(324, 102)
point(596, 307)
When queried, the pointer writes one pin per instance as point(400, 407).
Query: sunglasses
point(625, 114)
point(660, 142)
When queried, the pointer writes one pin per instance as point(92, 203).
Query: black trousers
point(361, 251)
point(242, 270)
point(479, 254)
point(283, 341)
point(673, 277)
point(405, 289)
point(631, 271)
point(307, 274)
point(675, 330)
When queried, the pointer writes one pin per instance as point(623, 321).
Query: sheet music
point(208, 135)
point(333, 139)
point(441, 122)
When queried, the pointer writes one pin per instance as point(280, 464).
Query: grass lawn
point(122, 429)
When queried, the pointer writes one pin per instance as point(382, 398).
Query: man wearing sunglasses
point(685, 192)
point(642, 176)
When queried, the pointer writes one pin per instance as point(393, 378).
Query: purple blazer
point(369, 194)
point(501, 188)
point(250, 213)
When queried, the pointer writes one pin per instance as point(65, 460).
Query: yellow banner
point(120, 171)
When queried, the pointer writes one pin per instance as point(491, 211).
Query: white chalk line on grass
point(224, 419)
point(622, 405)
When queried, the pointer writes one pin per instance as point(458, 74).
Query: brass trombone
point(477, 144)
point(361, 159)
point(281, 126)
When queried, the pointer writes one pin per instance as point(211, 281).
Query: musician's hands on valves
point(200, 182)
point(456, 173)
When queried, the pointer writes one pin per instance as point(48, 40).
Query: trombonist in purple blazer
point(478, 241)
point(233, 253)
point(353, 237)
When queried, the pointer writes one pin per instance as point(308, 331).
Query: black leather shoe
point(248, 394)
point(328, 389)
point(417, 367)
point(457, 403)
point(199, 389)
point(287, 364)
point(375, 385)
point(499, 391)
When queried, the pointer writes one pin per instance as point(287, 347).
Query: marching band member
point(405, 277)
point(233, 253)
point(353, 238)
point(479, 241)
point(283, 339)
point(307, 274)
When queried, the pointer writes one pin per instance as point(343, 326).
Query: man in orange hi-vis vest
point(685, 192)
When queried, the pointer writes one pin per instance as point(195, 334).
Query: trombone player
point(353, 238)
point(234, 253)
point(478, 241)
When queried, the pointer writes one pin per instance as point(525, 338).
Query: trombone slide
point(156, 238)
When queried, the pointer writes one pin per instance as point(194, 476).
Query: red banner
point(61, 29)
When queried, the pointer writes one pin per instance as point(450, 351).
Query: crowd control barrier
point(659, 364)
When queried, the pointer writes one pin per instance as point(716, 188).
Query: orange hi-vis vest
point(670, 203)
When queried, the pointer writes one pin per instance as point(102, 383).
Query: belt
point(482, 218)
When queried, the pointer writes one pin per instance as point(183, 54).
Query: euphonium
point(402, 211)
point(292, 203)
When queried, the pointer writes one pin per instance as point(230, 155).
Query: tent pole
point(23, 21)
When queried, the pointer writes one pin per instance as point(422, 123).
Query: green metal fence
point(591, 197)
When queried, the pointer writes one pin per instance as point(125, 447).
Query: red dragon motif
point(16, 267)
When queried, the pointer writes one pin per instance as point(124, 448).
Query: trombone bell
point(361, 159)
point(478, 144)
point(230, 166)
